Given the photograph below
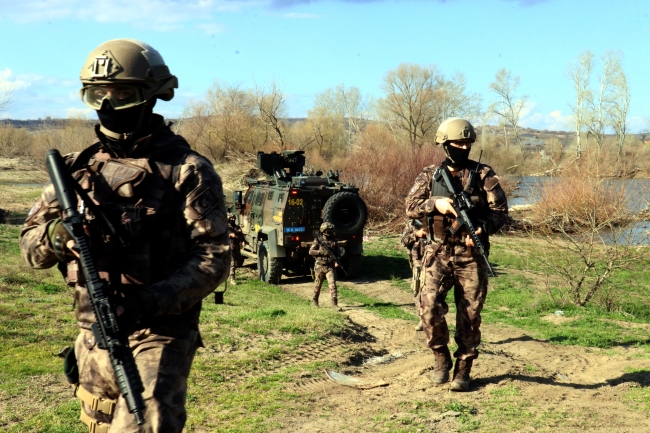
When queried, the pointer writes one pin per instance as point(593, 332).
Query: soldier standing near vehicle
point(166, 202)
point(323, 251)
point(414, 240)
point(236, 238)
point(451, 260)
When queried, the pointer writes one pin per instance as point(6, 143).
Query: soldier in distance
point(236, 238)
point(450, 260)
point(167, 201)
point(325, 263)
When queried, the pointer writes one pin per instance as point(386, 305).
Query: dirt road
point(519, 383)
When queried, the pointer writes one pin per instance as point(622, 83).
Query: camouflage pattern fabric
point(169, 200)
point(320, 273)
point(450, 263)
point(324, 267)
point(235, 248)
point(164, 365)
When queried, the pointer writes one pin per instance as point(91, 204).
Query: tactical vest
point(440, 223)
point(138, 197)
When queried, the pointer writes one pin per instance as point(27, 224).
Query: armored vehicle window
point(259, 198)
point(281, 197)
point(270, 197)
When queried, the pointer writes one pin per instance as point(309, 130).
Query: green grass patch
point(383, 309)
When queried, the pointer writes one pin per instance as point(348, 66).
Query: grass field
point(263, 339)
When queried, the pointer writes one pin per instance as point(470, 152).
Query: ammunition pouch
point(103, 405)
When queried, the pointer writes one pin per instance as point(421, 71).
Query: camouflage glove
point(137, 307)
point(59, 237)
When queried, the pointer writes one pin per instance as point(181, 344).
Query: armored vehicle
point(279, 216)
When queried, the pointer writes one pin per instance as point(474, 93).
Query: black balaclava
point(129, 120)
point(456, 157)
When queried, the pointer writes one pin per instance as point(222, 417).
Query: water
point(530, 186)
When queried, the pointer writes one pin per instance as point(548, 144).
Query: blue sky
point(308, 46)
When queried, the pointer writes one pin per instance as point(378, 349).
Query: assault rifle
point(322, 243)
point(105, 330)
point(463, 205)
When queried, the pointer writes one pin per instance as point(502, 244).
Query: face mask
point(456, 156)
point(126, 120)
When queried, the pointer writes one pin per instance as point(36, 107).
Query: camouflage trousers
point(235, 258)
point(164, 364)
point(464, 270)
point(416, 285)
point(320, 273)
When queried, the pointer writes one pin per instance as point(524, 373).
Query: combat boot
point(335, 304)
point(315, 300)
point(442, 365)
point(461, 375)
point(233, 282)
point(419, 327)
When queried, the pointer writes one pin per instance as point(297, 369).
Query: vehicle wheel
point(346, 211)
point(269, 269)
point(353, 266)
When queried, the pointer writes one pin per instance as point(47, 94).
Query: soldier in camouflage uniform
point(325, 263)
point(450, 261)
point(167, 201)
point(414, 240)
point(236, 238)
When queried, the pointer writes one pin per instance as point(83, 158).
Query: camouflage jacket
point(168, 201)
point(491, 205)
point(321, 255)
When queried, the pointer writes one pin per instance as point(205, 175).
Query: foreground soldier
point(167, 202)
point(450, 260)
point(236, 238)
point(325, 262)
point(414, 240)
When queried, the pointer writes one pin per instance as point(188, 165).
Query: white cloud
point(161, 15)
point(302, 16)
point(211, 29)
point(10, 83)
point(80, 113)
point(553, 121)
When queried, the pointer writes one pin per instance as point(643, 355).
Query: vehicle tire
point(269, 269)
point(352, 267)
point(346, 211)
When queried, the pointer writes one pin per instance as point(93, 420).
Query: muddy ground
point(566, 388)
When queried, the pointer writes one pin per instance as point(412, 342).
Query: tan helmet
point(128, 62)
point(455, 129)
point(326, 228)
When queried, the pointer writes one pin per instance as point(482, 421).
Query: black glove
point(59, 237)
point(137, 307)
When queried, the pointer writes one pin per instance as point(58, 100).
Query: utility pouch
point(70, 367)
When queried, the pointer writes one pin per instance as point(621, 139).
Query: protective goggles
point(120, 96)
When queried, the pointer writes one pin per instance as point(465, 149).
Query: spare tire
point(346, 211)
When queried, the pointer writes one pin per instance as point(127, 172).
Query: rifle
point(105, 330)
point(463, 205)
point(331, 253)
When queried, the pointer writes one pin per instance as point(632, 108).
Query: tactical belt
point(93, 426)
point(103, 405)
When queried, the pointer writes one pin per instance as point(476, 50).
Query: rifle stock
point(105, 330)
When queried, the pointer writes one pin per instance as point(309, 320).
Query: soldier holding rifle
point(451, 198)
point(325, 251)
point(146, 243)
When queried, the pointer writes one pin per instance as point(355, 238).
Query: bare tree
point(620, 106)
point(270, 105)
point(599, 106)
point(509, 107)
point(580, 73)
point(417, 99)
point(6, 97)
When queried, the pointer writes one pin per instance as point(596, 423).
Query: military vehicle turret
point(280, 214)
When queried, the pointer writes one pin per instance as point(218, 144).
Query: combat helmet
point(327, 228)
point(455, 129)
point(130, 63)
